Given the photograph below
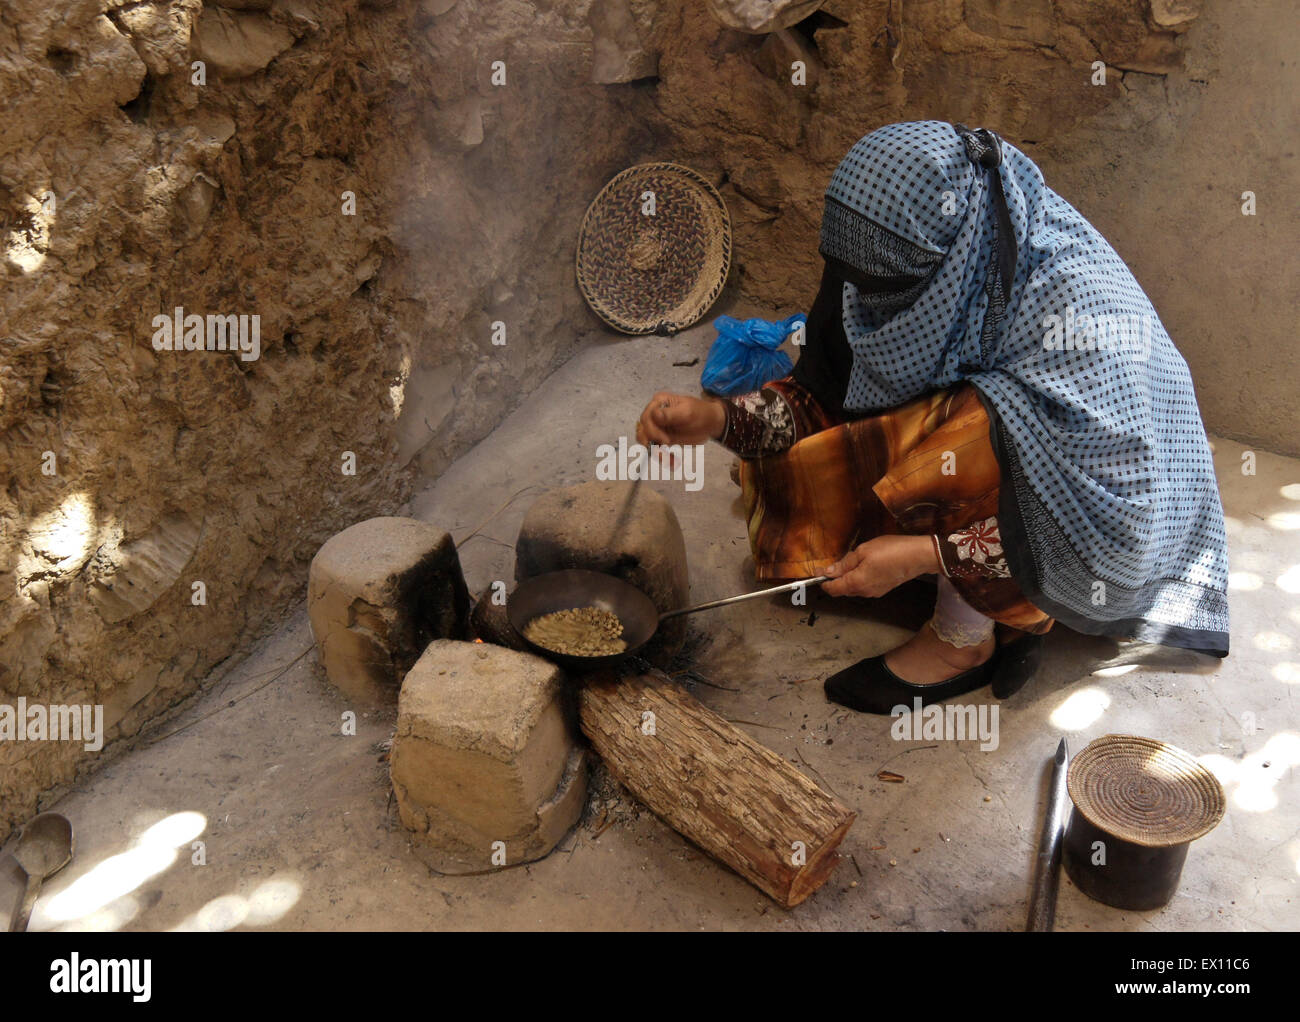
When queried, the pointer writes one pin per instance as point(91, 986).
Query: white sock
point(955, 621)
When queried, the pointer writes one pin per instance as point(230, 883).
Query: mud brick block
point(378, 593)
point(620, 528)
point(484, 753)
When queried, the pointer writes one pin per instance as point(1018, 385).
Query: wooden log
point(734, 798)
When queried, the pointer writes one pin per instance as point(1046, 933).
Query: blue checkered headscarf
point(961, 264)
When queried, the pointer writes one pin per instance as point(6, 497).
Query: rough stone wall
point(127, 189)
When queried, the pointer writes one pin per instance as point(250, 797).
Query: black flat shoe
point(1015, 663)
point(869, 686)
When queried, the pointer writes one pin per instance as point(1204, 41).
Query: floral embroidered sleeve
point(758, 423)
point(772, 419)
point(973, 552)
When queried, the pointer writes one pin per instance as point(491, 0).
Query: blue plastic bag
point(745, 355)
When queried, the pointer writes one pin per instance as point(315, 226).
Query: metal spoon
point(44, 848)
point(789, 587)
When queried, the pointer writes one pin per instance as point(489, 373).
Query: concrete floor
point(296, 830)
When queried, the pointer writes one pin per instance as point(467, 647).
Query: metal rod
point(1042, 903)
point(787, 588)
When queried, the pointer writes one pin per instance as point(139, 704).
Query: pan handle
point(789, 587)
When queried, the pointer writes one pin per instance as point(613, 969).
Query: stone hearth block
point(484, 753)
point(378, 593)
point(620, 528)
point(490, 623)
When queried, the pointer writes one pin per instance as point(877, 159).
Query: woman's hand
point(679, 419)
point(881, 564)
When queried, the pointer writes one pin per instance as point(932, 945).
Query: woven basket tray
point(1145, 791)
point(654, 274)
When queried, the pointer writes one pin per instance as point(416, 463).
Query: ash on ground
point(608, 802)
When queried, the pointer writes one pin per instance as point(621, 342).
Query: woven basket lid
point(1145, 791)
point(645, 274)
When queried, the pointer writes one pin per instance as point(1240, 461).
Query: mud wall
point(364, 177)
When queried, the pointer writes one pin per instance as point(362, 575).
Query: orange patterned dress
point(815, 486)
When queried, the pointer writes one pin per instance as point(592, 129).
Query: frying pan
point(566, 590)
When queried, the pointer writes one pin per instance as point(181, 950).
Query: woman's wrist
point(717, 417)
point(926, 555)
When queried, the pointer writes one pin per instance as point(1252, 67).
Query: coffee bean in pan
point(582, 631)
